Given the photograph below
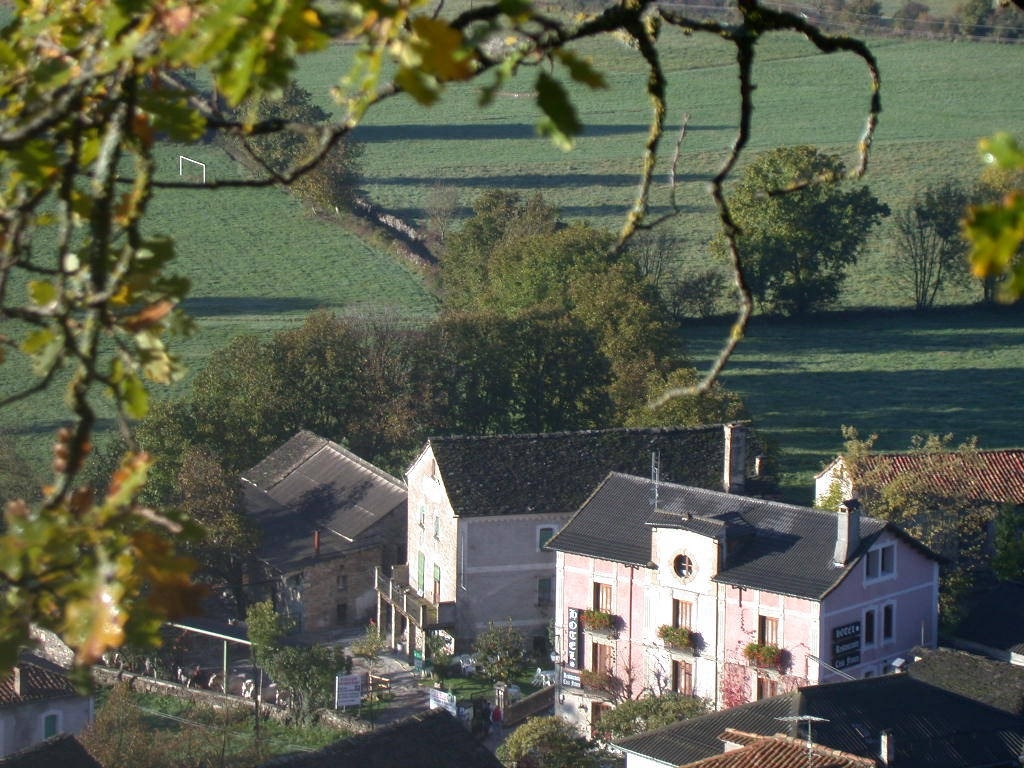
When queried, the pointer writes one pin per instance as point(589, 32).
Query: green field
point(259, 261)
point(894, 374)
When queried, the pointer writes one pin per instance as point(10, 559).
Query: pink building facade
point(727, 598)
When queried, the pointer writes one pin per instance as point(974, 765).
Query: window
point(600, 657)
point(437, 526)
point(869, 627)
point(437, 584)
point(421, 573)
point(544, 534)
point(681, 613)
point(880, 562)
point(603, 597)
point(544, 585)
point(683, 566)
point(682, 677)
point(887, 621)
point(51, 724)
point(766, 688)
point(767, 630)
point(423, 515)
point(342, 582)
point(341, 612)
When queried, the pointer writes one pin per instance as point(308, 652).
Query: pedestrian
point(496, 720)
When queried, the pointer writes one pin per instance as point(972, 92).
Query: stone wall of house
point(339, 591)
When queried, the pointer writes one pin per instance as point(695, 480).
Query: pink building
point(662, 587)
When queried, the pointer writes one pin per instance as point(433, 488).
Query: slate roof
point(781, 548)
point(312, 484)
point(989, 475)
point(554, 473)
point(41, 680)
point(996, 683)
point(930, 727)
point(778, 751)
point(64, 750)
point(433, 739)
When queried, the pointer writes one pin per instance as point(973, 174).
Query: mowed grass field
point(259, 261)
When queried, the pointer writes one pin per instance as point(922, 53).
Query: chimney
point(316, 543)
point(847, 531)
point(16, 672)
point(886, 748)
point(735, 470)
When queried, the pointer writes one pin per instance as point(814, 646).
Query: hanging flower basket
point(763, 655)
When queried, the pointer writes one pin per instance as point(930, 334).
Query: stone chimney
point(16, 672)
point(734, 473)
point(847, 531)
point(886, 749)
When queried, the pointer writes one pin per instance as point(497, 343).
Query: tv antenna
point(805, 719)
point(655, 476)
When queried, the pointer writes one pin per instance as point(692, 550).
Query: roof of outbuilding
point(433, 739)
point(983, 475)
point(554, 473)
point(312, 484)
point(40, 680)
point(996, 683)
point(779, 547)
point(778, 751)
point(930, 727)
point(64, 750)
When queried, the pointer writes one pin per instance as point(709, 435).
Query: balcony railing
point(396, 590)
point(600, 622)
point(680, 638)
point(766, 655)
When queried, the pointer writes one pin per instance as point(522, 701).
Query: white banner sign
point(348, 691)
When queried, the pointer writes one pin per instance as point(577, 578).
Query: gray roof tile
point(783, 548)
point(931, 727)
point(312, 484)
point(554, 473)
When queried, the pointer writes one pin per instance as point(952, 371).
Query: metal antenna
point(655, 476)
point(805, 719)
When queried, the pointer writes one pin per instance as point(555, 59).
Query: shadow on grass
point(217, 306)
point(373, 134)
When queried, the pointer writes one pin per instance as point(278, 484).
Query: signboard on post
point(348, 691)
point(443, 700)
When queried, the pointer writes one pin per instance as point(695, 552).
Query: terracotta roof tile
point(779, 751)
point(983, 476)
point(39, 680)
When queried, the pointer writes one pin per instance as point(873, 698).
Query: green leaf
point(561, 123)
point(1003, 150)
point(134, 396)
point(37, 341)
point(580, 69)
point(42, 293)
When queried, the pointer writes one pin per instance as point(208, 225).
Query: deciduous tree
point(928, 250)
point(633, 716)
point(500, 651)
point(800, 245)
point(548, 742)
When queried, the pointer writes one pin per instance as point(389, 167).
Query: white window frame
point(536, 536)
point(876, 555)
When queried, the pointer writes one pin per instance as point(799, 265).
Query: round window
point(683, 566)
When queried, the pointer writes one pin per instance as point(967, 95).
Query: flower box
point(598, 621)
point(595, 680)
point(763, 655)
point(678, 637)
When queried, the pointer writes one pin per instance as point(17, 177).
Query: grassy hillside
point(259, 261)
